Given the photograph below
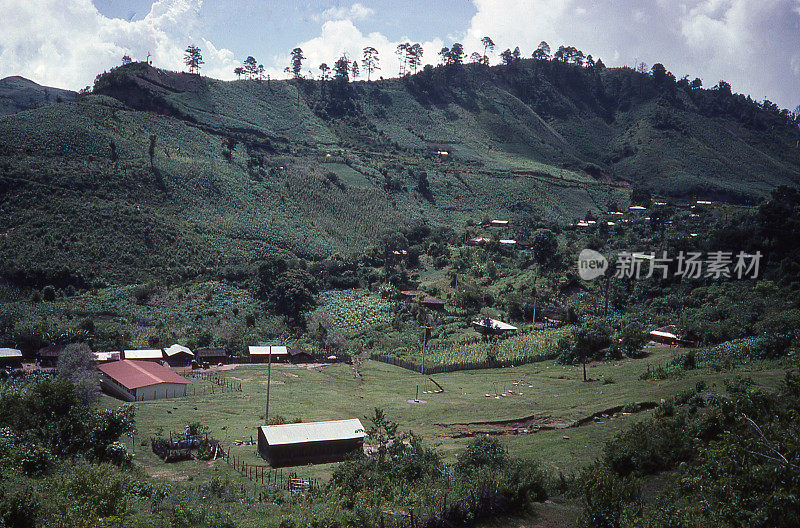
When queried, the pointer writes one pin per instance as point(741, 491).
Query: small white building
point(141, 381)
point(178, 355)
point(492, 326)
point(262, 353)
point(310, 443)
point(149, 354)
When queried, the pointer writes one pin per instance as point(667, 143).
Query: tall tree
point(76, 363)
point(457, 54)
point(402, 53)
point(371, 61)
point(238, 71)
point(414, 53)
point(250, 66)
point(507, 57)
point(341, 69)
point(126, 59)
point(542, 52)
point(324, 68)
point(476, 57)
point(193, 59)
point(152, 149)
point(297, 62)
point(516, 54)
point(488, 45)
point(452, 56)
point(354, 70)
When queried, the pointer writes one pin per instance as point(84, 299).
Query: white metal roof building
point(178, 355)
point(177, 349)
point(311, 442)
point(493, 326)
point(10, 357)
point(262, 353)
point(144, 354)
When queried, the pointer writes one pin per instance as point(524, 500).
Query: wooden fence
point(264, 475)
point(222, 382)
point(180, 447)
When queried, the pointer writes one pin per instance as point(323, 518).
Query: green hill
point(244, 169)
point(18, 93)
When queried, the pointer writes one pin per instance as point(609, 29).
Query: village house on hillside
point(48, 355)
point(300, 355)
point(310, 443)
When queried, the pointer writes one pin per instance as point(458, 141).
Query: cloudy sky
point(753, 44)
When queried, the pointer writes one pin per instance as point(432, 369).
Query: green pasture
point(545, 389)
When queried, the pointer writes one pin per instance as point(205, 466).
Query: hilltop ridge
point(18, 94)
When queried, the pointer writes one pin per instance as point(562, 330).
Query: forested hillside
point(159, 173)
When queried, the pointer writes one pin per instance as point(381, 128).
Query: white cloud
point(754, 45)
point(354, 12)
point(66, 44)
point(339, 37)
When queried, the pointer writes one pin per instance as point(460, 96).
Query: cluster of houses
point(174, 356)
point(483, 240)
point(613, 217)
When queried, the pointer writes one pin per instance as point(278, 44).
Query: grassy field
point(554, 393)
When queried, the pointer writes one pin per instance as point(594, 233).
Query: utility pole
point(424, 342)
point(584, 365)
point(269, 378)
point(533, 319)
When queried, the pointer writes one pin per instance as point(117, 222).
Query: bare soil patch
point(535, 423)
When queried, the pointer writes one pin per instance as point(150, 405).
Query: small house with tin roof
point(178, 355)
point(10, 358)
point(261, 354)
point(311, 443)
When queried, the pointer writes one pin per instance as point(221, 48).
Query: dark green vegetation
point(734, 463)
point(18, 93)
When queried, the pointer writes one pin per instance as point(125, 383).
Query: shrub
point(483, 451)
point(49, 293)
point(738, 384)
point(608, 498)
point(18, 506)
point(33, 459)
point(651, 446)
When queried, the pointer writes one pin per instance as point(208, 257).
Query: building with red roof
point(141, 380)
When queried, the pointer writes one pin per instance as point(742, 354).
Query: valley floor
point(543, 401)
